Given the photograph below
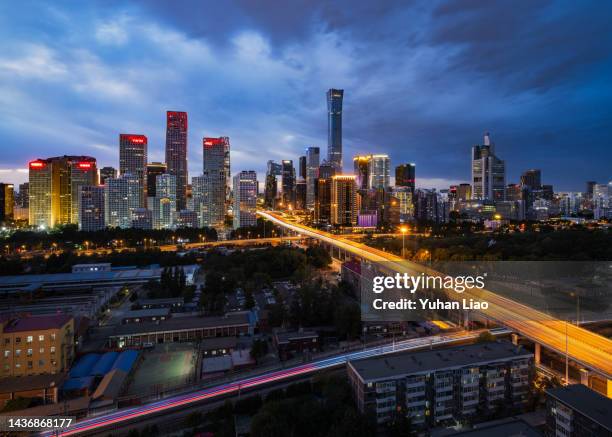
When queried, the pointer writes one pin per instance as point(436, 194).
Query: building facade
point(91, 208)
point(154, 169)
point(36, 345)
point(335, 98)
point(133, 160)
point(343, 201)
point(405, 176)
point(313, 155)
point(216, 180)
point(176, 153)
point(121, 198)
point(434, 388)
point(7, 201)
point(488, 172)
point(245, 199)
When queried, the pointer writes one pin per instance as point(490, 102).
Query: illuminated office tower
point(405, 176)
point(334, 128)
point(54, 188)
point(133, 160)
point(343, 201)
point(245, 199)
point(7, 201)
point(288, 183)
point(197, 194)
point(154, 169)
point(464, 192)
point(406, 207)
point(215, 182)
point(91, 208)
point(322, 212)
point(176, 153)
point(312, 173)
point(488, 172)
point(43, 210)
point(121, 199)
point(107, 173)
point(164, 211)
point(379, 169)
point(361, 164)
point(187, 219)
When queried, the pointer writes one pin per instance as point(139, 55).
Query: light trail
point(122, 416)
point(584, 347)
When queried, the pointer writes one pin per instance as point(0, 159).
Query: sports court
point(163, 367)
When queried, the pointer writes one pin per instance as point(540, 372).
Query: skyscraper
point(216, 181)
point(165, 209)
point(405, 176)
point(488, 172)
point(154, 169)
point(343, 201)
point(54, 188)
point(361, 164)
point(91, 208)
point(7, 201)
point(176, 153)
point(379, 169)
point(302, 167)
point(107, 173)
point(121, 199)
point(133, 160)
point(288, 183)
point(245, 199)
point(532, 179)
point(23, 198)
point(334, 128)
point(312, 173)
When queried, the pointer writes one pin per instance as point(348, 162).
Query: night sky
point(423, 81)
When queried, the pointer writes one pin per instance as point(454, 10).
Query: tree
point(259, 349)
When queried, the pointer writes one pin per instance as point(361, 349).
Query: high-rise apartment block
point(121, 199)
point(165, 207)
point(91, 208)
point(133, 160)
point(176, 153)
point(245, 199)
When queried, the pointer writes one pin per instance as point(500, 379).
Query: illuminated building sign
point(37, 164)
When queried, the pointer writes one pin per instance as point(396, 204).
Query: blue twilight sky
point(423, 80)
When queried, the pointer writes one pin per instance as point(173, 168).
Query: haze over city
point(423, 82)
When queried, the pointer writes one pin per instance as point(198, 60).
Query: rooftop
point(181, 324)
point(32, 382)
point(285, 337)
point(147, 313)
point(407, 363)
point(587, 402)
point(37, 323)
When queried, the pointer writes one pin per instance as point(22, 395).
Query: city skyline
point(279, 106)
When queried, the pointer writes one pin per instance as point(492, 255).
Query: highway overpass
point(587, 349)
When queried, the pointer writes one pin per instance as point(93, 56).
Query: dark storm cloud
point(423, 80)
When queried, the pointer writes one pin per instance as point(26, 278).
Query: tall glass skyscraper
point(334, 128)
point(405, 176)
point(176, 153)
point(133, 160)
point(488, 172)
point(216, 181)
point(245, 199)
point(312, 173)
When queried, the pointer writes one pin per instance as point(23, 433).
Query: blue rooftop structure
point(80, 383)
point(126, 360)
point(84, 366)
point(104, 364)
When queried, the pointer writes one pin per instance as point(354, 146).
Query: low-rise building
point(289, 344)
point(36, 345)
point(180, 329)
point(577, 411)
point(43, 388)
point(435, 387)
point(148, 315)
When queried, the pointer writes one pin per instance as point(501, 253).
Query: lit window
point(18, 365)
point(29, 352)
point(7, 354)
point(52, 337)
point(30, 339)
point(41, 338)
point(52, 349)
point(18, 352)
point(41, 350)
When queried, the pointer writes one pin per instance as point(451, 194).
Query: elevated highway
point(583, 347)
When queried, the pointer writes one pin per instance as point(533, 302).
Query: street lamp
point(404, 231)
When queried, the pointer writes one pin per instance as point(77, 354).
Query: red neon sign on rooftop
point(84, 165)
point(37, 164)
point(209, 142)
point(134, 139)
